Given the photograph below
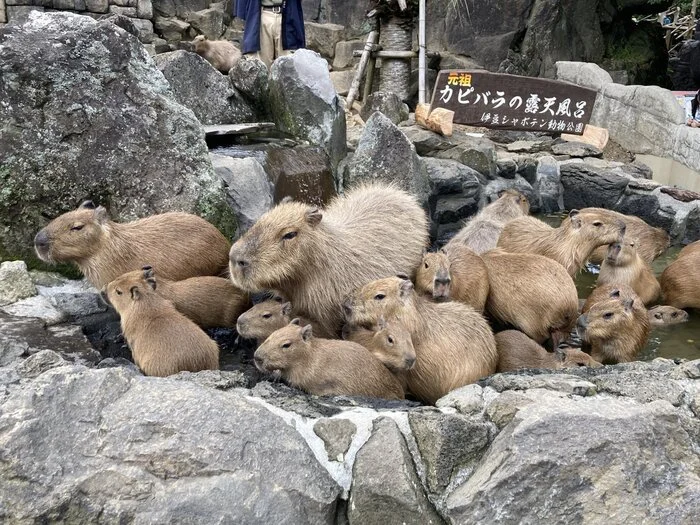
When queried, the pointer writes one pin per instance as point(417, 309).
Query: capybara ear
point(147, 271)
point(443, 251)
point(101, 214)
point(295, 321)
point(135, 293)
point(402, 276)
point(87, 205)
point(628, 304)
point(615, 293)
point(347, 306)
point(313, 216)
point(575, 219)
point(405, 289)
point(306, 332)
point(287, 308)
point(500, 193)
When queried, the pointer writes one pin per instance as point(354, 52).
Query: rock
point(144, 9)
point(19, 14)
point(172, 29)
point(203, 89)
point(426, 142)
point(178, 8)
point(548, 186)
point(529, 146)
point(450, 177)
point(38, 307)
point(81, 138)
point(40, 278)
point(124, 11)
point(218, 379)
point(681, 194)
point(342, 81)
point(337, 435)
point(344, 50)
point(305, 104)
point(97, 6)
point(642, 384)
point(385, 486)
point(569, 384)
point(685, 70)
point(75, 299)
point(576, 149)
point(506, 168)
point(144, 29)
point(584, 74)
point(251, 77)
point(586, 186)
point(209, 22)
point(302, 173)
point(15, 282)
point(37, 364)
point(502, 410)
point(323, 38)
point(388, 104)
point(352, 15)
point(477, 153)
point(468, 400)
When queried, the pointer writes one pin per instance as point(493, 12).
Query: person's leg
point(279, 51)
point(267, 38)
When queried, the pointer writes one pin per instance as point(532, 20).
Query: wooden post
point(369, 77)
point(693, 11)
point(355, 86)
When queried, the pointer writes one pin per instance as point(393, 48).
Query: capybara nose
point(41, 240)
point(105, 299)
point(582, 322)
point(444, 281)
point(258, 363)
point(409, 362)
point(347, 306)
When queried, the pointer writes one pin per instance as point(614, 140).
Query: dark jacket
point(292, 24)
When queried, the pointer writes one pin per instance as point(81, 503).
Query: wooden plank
point(355, 85)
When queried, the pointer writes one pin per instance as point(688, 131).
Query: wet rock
point(337, 435)
point(548, 186)
point(576, 149)
point(451, 177)
point(389, 104)
point(587, 186)
point(506, 168)
point(323, 38)
point(303, 173)
point(426, 142)
point(15, 282)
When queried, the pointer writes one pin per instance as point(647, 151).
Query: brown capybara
point(664, 315)
point(623, 265)
point(458, 274)
point(162, 340)
point(315, 257)
point(453, 343)
point(221, 54)
point(482, 231)
point(693, 247)
point(533, 293)
point(516, 350)
point(180, 245)
point(325, 366)
point(570, 245)
point(614, 330)
point(266, 317)
point(651, 242)
point(388, 341)
point(680, 281)
point(612, 291)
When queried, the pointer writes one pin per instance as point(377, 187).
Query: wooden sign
point(500, 101)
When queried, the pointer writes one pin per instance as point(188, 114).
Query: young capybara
point(516, 350)
point(613, 291)
point(453, 343)
point(664, 315)
point(315, 258)
point(570, 245)
point(623, 265)
point(614, 330)
point(651, 242)
point(533, 293)
point(680, 281)
point(180, 245)
point(162, 340)
point(482, 231)
point(388, 341)
point(221, 54)
point(458, 274)
point(325, 366)
point(266, 317)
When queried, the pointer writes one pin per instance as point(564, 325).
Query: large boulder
point(86, 114)
point(587, 185)
point(178, 8)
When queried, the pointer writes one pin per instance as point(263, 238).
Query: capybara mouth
point(259, 364)
point(409, 363)
point(43, 253)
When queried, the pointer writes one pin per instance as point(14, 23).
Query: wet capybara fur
point(623, 265)
point(680, 281)
point(516, 350)
point(664, 315)
point(221, 54)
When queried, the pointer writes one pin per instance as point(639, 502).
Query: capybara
point(680, 281)
point(315, 258)
point(162, 340)
point(180, 245)
point(664, 315)
point(570, 245)
point(693, 247)
point(614, 291)
point(623, 265)
point(453, 343)
point(533, 293)
point(221, 54)
point(266, 317)
point(325, 366)
point(388, 341)
point(614, 330)
point(458, 274)
point(482, 231)
point(516, 350)
point(651, 242)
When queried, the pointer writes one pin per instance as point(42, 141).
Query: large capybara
point(180, 245)
point(664, 315)
point(623, 265)
point(651, 242)
point(453, 343)
point(482, 231)
point(458, 274)
point(266, 317)
point(516, 350)
point(680, 281)
point(570, 245)
point(614, 330)
point(162, 340)
point(693, 247)
point(315, 258)
point(533, 293)
point(221, 54)
point(325, 366)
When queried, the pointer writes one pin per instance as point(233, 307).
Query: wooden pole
point(355, 86)
point(693, 11)
point(421, 52)
point(369, 77)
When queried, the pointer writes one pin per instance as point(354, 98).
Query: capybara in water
point(482, 231)
point(614, 330)
point(651, 242)
point(570, 245)
point(221, 54)
point(680, 281)
point(315, 258)
point(162, 340)
point(180, 245)
point(325, 366)
point(533, 293)
point(266, 317)
point(623, 265)
point(612, 291)
point(664, 315)
point(516, 350)
point(453, 343)
point(458, 274)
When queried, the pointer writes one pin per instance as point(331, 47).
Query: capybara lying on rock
point(623, 265)
point(315, 257)
point(680, 281)
point(664, 315)
point(180, 245)
point(325, 366)
point(516, 350)
point(570, 245)
point(162, 340)
point(260, 321)
point(221, 54)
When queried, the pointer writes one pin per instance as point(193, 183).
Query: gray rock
point(217, 379)
point(641, 384)
point(584, 74)
point(529, 146)
point(548, 186)
point(426, 142)
point(145, 30)
point(251, 77)
point(323, 38)
point(342, 81)
point(15, 282)
point(344, 50)
point(566, 383)
point(468, 400)
point(38, 307)
point(388, 104)
point(144, 9)
point(37, 364)
point(40, 278)
point(78, 304)
point(502, 410)
point(588, 186)
point(506, 168)
point(451, 177)
point(97, 6)
point(171, 29)
point(337, 435)
point(303, 173)
point(178, 7)
point(208, 22)
point(18, 14)
point(477, 153)
point(576, 149)
point(124, 11)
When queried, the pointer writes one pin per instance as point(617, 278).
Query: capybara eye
point(77, 227)
point(379, 296)
point(289, 235)
point(658, 316)
point(267, 316)
point(119, 292)
point(597, 223)
point(390, 339)
point(608, 315)
point(286, 345)
point(674, 314)
point(426, 266)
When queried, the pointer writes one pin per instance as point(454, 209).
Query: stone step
point(237, 129)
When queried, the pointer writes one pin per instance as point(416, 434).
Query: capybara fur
point(693, 247)
point(180, 245)
point(388, 341)
point(325, 366)
point(651, 242)
point(570, 245)
point(482, 231)
point(453, 343)
point(614, 330)
point(623, 265)
point(266, 317)
point(162, 340)
point(516, 350)
point(315, 257)
point(533, 293)
point(664, 315)
point(458, 274)
point(680, 281)
point(221, 54)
